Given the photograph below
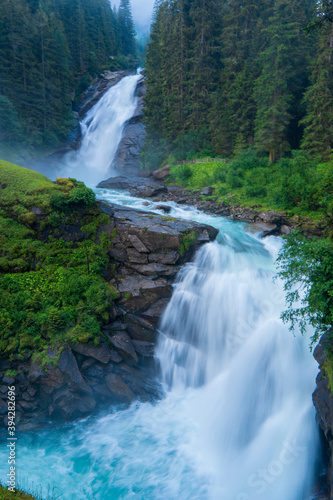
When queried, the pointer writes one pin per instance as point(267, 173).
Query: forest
point(226, 75)
point(50, 50)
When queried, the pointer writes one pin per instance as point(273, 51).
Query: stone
point(155, 269)
point(144, 348)
point(165, 257)
point(140, 328)
point(135, 257)
point(123, 345)
point(162, 174)
point(208, 191)
point(284, 230)
point(137, 244)
point(68, 366)
point(165, 208)
point(155, 312)
point(101, 353)
point(138, 186)
point(8, 380)
point(119, 389)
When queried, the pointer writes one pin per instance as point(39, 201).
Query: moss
point(11, 373)
point(187, 240)
point(5, 494)
point(127, 296)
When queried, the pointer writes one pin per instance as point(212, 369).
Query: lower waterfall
point(237, 420)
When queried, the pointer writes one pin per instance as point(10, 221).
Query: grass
point(295, 185)
point(52, 290)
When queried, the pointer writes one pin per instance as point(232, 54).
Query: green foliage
point(5, 494)
point(222, 76)
point(52, 291)
point(296, 184)
point(307, 268)
point(48, 52)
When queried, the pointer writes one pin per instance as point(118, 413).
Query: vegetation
point(52, 260)
point(296, 184)
point(223, 76)
point(5, 494)
point(49, 52)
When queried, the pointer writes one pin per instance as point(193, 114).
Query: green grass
point(295, 185)
point(52, 291)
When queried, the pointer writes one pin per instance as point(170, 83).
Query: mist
point(142, 11)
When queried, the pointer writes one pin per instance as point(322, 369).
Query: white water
point(236, 422)
point(101, 130)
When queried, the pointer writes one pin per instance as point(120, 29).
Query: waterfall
point(222, 334)
point(237, 420)
point(101, 131)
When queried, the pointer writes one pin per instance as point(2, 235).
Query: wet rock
point(101, 353)
point(68, 366)
point(140, 329)
point(8, 380)
point(165, 208)
point(138, 186)
point(119, 389)
point(123, 345)
point(146, 349)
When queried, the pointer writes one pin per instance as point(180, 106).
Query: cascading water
point(101, 131)
point(237, 421)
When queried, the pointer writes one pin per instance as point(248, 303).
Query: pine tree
point(126, 29)
point(318, 133)
point(286, 49)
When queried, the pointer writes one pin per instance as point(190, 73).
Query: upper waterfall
point(102, 130)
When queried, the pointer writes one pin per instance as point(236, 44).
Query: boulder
point(101, 353)
point(137, 186)
point(123, 345)
point(119, 389)
point(162, 174)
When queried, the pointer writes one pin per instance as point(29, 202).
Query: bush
point(307, 268)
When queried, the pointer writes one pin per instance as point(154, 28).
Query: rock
point(101, 353)
point(154, 313)
point(155, 269)
point(138, 186)
point(114, 327)
point(68, 366)
point(284, 230)
point(26, 405)
point(71, 405)
point(165, 257)
point(140, 329)
point(8, 380)
point(119, 389)
point(123, 345)
point(144, 348)
point(3, 407)
point(137, 244)
point(165, 208)
point(136, 257)
point(162, 173)
point(208, 191)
